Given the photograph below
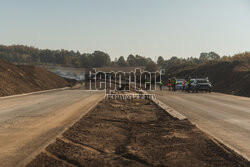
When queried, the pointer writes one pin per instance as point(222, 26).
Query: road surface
point(28, 123)
point(225, 117)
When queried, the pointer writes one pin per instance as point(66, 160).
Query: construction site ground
point(134, 133)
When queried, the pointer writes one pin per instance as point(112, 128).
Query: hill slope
point(232, 77)
point(23, 79)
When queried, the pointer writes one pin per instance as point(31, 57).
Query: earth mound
point(16, 79)
point(231, 77)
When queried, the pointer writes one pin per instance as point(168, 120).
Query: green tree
point(121, 61)
point(141, 61)
point(100, 59)
point(131, 60)
point(160, 61)
point(151, 66)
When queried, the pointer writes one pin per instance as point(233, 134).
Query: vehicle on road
point(179, 85)
point(199, 85)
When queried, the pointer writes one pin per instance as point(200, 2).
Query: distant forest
point(29, 55)
point(20, 54)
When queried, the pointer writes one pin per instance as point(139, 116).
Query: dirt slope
point(226, 76)
point(23, 79)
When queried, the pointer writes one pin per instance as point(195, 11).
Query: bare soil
point(134, 133)
point(16, 79)
point(226, 76)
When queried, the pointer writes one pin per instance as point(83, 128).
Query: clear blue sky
point(151, 28)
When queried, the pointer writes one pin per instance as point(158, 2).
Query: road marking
point(31, 93)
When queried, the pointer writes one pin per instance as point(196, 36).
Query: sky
point(150, 28)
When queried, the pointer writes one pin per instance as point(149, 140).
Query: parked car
point(200, 85)
point(179, 85)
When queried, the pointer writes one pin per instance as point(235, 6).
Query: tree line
point(29, 55)
point(175, 63)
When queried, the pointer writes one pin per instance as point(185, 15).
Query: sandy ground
point(29, 123)
point(134, 133)
point(225, 117)
point(17, 79)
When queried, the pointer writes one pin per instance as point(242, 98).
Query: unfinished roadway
point(225, 117)
point(28, 123)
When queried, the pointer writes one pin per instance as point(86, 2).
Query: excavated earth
point(226, 76)
point(17, 79)
point(134, 133)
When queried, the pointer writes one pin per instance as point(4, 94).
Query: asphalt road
point(28, 123)
point(225, 117)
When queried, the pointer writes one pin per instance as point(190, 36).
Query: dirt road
point(28, 123)
point(226, 117)
point(134, 133)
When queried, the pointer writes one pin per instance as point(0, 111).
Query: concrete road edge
point(169, 110)
point(31, 93)
point(166, 108)
point(179, 116)
point(28, 160)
